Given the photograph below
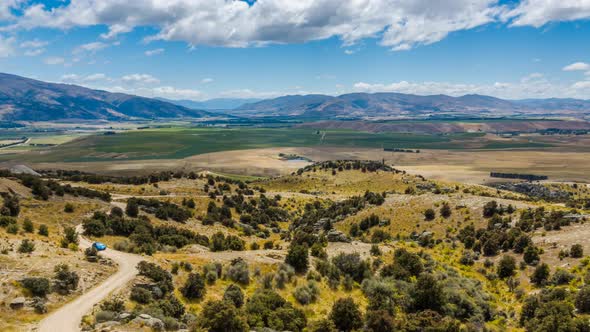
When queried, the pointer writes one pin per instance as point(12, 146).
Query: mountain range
point(24, 99)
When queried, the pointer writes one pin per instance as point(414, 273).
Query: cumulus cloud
point(6, 46)
point(531, 86)
point(6, 8)
point(90, 47)
point(140, 79)
point(34, 52)
point(207, 80)
point(577, 66)
point(401, 24)
point(54, 60)
point(537, 13)
point(154, 52)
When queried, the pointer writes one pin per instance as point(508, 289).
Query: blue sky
point(183, 49)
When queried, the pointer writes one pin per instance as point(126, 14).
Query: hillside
point(24, 99)
point(395, 105)
point(212, 104)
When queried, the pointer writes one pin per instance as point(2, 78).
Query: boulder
point(18, 303)
point(337, 236)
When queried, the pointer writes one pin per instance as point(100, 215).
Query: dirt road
point(68, 317)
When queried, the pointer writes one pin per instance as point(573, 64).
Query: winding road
point(68, 317)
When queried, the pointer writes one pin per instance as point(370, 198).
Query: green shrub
point(26, 246)
point(194, 287)
point(37, 286)
point(346, 315)
point(234, 294)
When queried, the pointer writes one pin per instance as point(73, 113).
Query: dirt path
point(68, 317)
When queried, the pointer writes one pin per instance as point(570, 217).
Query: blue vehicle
point(99, 246)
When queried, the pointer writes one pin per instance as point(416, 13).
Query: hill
point(396, 105)
point(212, 104)
point(24, 99)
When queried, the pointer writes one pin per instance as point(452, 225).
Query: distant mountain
point(213, 104)
point(395, 105)
point(26, 99)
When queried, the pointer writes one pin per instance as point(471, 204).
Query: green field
point(176, 143)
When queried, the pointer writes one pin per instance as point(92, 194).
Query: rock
point(18, 303)
point(146, 319)
point(106, 326)
point(23, 169)
point(337, 236)
point(124, 315)
point(145, 316)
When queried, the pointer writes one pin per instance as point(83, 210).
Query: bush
point(306, 294)
point(194, 287)
point(562, 277)
point(238, 271)
point(324, 325)
point(583, 300)
point(445, 210)
point(352, 265)
point(43, 230)
point(141, 295)
point(12, 228)
point(69, 208)
point(37, 286)
point(380, 320)
point(132, 208)
point(114, 305)
point(346, 315)
point(540, 275)
point(70, 237)
point(531, 255)
point(105, 316)
point(65, 280)
point(26, 246)
point(28, 226)
point(428, 293)
point(297, 257)
point(157, 274)
point(234, 294)
point(266, 308)
point(429, 214)
point(577, 251)
point(222, 316)
point(506, 267)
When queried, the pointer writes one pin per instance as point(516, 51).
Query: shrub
point(115, 305)
point(69, 208)
point(531, 255)
point(562, 277)
point(132, 208)
point(540, 275)
point(43, 230)
point(380, 320)
point(306, 294)
point(65, 280)
point(194, 287)
point(37, 286)
point(12, 228)
point(297, 257)
point(323, 325)
point(222, 316)
point(28, 226)
point(141, 295)
point(506, 267)
point(445, 210)
point(238, 271)
point(352, 265)
point(428, 293)
point(583, 300)
point(346, 315)
point(234, 294)
point(429, 214)
point(157, 274)
point(266, 308)
point(577, 251)
point(26, 246)
point(105, 316)
point(70, 237)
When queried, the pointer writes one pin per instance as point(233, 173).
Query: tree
point(346, 315)
point(379, 320)
point(577, 251)
point(234, 294)
point(531, 255)
point(445, 210)
point(583, 300)
point(540, 275)
point(323, 325)
point(490, 208)
point(70, 237)
point(222, 316)
point(132, 208)
point(238, 271)
point(429, 214)
point(506, 267)
point(194, 287)
point(37, 286)
point(428, 293)
point(298, 258)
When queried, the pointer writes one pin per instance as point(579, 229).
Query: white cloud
point(91, 47)
point(34, 52)
point(537, 13)
point(207, 80)
point(75, 78)
point(140, 79)
point(6, 46)
point(154, 52)
point(531, 86)
point(35, 43)
point(6, 7)
point(401, 24)
point(577, 66)
point(348, 52)
point(54, 60)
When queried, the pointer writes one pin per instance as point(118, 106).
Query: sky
point(203, 49)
